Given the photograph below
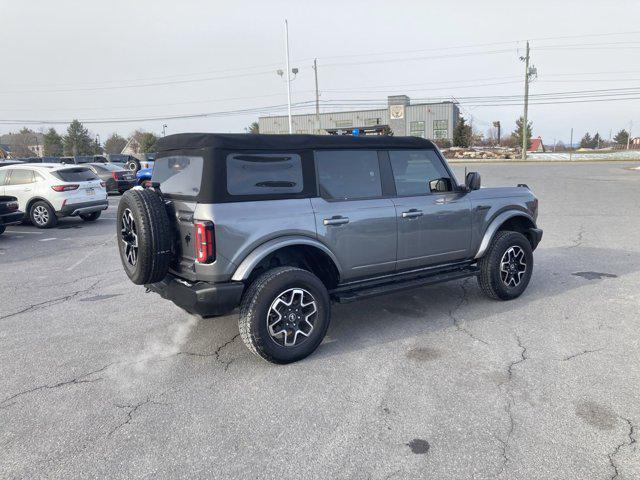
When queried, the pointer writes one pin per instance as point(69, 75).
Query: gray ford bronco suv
point(282, 225)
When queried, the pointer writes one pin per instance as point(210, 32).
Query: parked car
point(144, 175)
point(281, 225)
point(116, 178)
point(48, 191)
point(9, 213)
point(82, 159)
point(128, 162)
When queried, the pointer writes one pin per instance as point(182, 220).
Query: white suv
point(48, 191)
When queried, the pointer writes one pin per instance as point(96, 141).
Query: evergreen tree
point(597, 141)
point(586, 141)
point(253, 128)
point(77, 140)
point(621, 137)
point(517, 133)
point(115, 143)
point(53, 146)
point(461, 133)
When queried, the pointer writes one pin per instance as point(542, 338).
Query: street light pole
point(164, 126)
point(525, 139)
point(286, 44)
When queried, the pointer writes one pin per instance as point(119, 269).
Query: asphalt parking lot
point(100, 379)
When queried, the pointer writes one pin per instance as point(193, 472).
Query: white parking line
point(91, 253)
point(48, 239)
point(24, 231)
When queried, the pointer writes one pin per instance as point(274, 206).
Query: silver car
point(282, 225)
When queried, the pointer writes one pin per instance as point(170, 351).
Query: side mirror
point(440, 185)
point(472, 181)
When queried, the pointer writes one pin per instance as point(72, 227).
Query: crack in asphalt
point(523, 357)
point(460, 327)
point(584, 352)
point(216, 353)
point(74, 381)
point(632, 441)
point(510, 404)
point(578, 240)
point(50, 302)
point(132, 408)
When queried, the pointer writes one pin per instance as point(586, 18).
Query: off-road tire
point(52, 219)
point(154, 237)
point(489, 279)
point(133, 165)
point(90, 217)
point(255, 305)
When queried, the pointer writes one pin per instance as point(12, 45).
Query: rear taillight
point(114, 175)
point(12, 206)
point(65, 188)
point(205, 248)
point(146, 184)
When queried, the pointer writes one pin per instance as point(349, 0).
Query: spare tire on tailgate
point(144, 236)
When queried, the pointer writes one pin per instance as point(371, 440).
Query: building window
point(440, 134)
point(343, 123)
point(416, 129)
point(371, 122)
point(440, 125)
point(301, 132)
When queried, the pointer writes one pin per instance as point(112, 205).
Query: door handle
point(413, 213)
point(336, 220)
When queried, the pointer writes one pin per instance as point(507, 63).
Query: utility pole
point(164, 127)
point(315, 72)
point(571, 145)
point(286, 44)
point(528, 72)
point(629, 135)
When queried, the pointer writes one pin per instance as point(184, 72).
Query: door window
point(414, 169)
point(348, 174)
point(20, 177)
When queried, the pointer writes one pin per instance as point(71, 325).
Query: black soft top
point(248, 141)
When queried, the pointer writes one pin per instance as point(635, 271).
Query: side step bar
point(342, 295)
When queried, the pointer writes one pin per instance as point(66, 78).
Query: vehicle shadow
point(393, 317)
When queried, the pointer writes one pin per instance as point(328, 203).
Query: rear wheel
point(133, 165)
point(284, 315)
point(90, 217)
point(42, 215)
point(506, 268)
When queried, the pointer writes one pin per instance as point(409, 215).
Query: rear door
point(353, 217)
point(433, 227)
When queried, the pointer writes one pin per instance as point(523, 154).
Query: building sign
point(396, 112)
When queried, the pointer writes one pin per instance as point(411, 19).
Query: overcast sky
point(148, 59)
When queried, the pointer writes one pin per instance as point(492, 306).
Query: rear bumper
point(82, 208)
point(201, 298)
point(124, 185)
point(11, 218)
point(535, 235)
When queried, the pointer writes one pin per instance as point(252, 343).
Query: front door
point(433, 227)
point(19, 184)
point(352, 217)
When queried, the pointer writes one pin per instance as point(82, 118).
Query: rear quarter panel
point(240, 227)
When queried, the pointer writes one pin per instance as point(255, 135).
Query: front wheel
point(506, 268)
point(42, 215)
point(284, 315)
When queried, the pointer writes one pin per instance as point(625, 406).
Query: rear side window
point(264, 173)
point(348, 174)
point(414, 169)
point(75, 175)
point(179, 174)
point(21, 177)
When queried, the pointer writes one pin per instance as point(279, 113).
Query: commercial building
point(427, 120)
